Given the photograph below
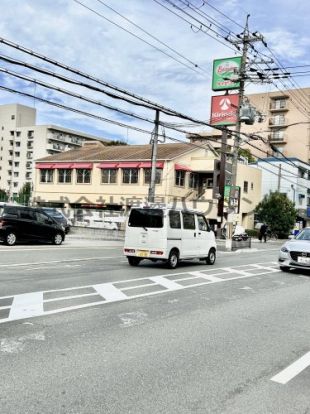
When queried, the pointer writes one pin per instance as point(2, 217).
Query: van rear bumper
point(146, 253)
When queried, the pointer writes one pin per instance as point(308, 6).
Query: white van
point(168, 234)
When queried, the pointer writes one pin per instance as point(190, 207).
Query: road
point(82, 332)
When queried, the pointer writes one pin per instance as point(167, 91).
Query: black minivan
point(19, 223)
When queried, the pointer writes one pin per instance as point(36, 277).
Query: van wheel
point(57, 239)
point(211, 257)
point(133, 261)
point(10, 239)
point(173, 259)
point(284, 268)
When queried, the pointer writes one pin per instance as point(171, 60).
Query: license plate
point(304, 260)
point(142, 253)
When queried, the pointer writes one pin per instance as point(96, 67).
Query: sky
point(83, 36)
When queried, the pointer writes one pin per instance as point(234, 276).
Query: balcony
point(277, 139)
point(279, 105)
point(275, 122)
point(64, 139)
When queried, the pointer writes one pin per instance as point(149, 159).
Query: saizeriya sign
point(226, 73)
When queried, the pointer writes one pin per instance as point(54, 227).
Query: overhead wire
point(137, 37)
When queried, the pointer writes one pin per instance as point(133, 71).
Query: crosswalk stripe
point(27, 305)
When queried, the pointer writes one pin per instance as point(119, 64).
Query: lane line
point(110, 292)
point(27, 305)
point(30, 307)
point(85, 259)
point(292, 370)
point(211, 278)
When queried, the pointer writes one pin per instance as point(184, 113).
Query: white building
point(22, 142)
point(290, 176)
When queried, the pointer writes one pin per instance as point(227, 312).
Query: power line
point(136, 36)
point(152, 36)
point(195, 26)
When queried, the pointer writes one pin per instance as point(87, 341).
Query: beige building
point(22, 142)
point(117, 177)
point(286, 125)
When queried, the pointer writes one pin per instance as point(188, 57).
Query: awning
point(180, 167)
point(148, 164)
point(108, 165)
point(83, 165)
point(63, 165)
point(129, 164)
point(45, 165)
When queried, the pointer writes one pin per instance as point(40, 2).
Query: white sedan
point(295, 253)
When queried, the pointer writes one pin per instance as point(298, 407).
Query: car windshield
point(304, 235)
point(140, 217)
point(53, 213)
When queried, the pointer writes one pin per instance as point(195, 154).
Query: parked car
point(168, 234)
point(295, 253)
point(59, 217)
point(19, 223)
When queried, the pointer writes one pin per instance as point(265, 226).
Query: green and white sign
point(226, 73)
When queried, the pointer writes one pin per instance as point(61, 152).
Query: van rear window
point(142, 217)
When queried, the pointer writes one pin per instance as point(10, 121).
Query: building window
point(245, 186)
point(278, 103)
point(46, 176)
point(180, 178)
point(252, 186)
point(147, 175)
point(17, 154)
point(193, 180)
point(16, 174)
point(108, 175)
point(17, 144)
point(130, 175)
point(18, 133)
point(12, 116)
point(83, 176)
point(64, 175)
point(16, 164)
point(12, 133)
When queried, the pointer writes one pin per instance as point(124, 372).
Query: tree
point(24, 194)
point(245, 153)
point(278, 212)
point(3, 195)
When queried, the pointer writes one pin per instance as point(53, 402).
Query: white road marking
point(169, 284)
point(292, 370)
point(109, 292)
point(84, 259)
point(27, 305)
point(31, 304)
point(211, 278)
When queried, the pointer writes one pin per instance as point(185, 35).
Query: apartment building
point(22, 142)
point(285, 126)
point(117, 178)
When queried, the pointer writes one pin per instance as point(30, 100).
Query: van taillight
point(158, 252)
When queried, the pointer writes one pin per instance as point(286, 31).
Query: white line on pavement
point(59, 261)
point(292, 370)
point(27, 305)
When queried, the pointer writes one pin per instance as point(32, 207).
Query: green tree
point(24, 194)
point(3, 195)
point(278, 212)
point(243, 152)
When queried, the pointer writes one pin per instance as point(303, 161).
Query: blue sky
point(67, 32)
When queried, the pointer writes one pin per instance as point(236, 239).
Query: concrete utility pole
point(151, 195)
point(279, 177)
point(246, 40)
point(220, 208)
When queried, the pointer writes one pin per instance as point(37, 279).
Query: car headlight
point(284, 249)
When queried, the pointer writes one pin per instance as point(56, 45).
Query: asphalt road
point(83, 332)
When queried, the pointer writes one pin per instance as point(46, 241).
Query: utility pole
point(151, 195)
point(220, 208)
point(279, 177)
point(246, 39)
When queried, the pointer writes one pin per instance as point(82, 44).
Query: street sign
point(226, 73)
point(224, 109)
point(231, 199)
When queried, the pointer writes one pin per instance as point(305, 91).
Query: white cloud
point(67, 32)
